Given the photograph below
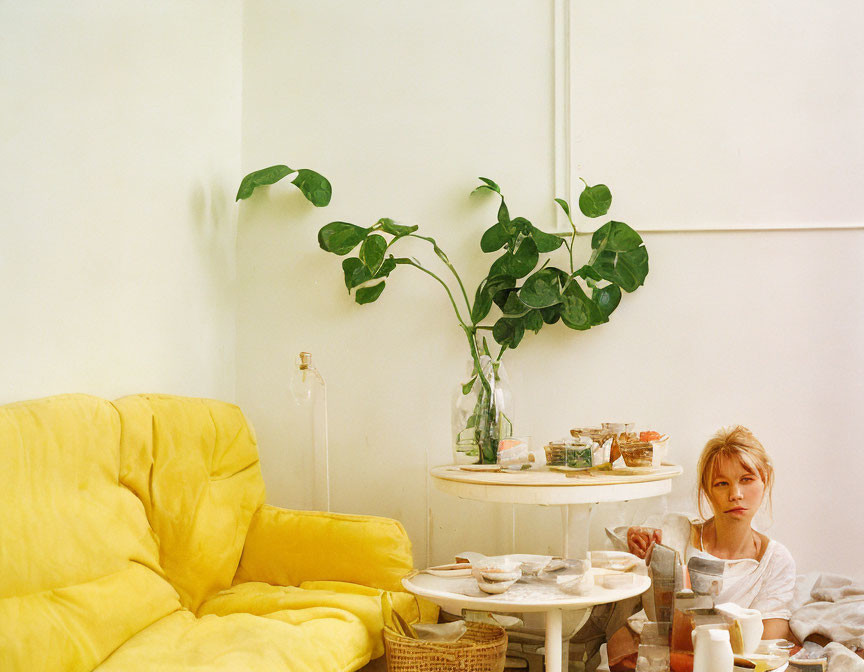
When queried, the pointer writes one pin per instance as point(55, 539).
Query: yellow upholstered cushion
point(286, 548)
point(372, 606)
point(194, 465)
point(315, 640)
point(79, 569)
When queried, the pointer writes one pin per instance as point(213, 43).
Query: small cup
point(616, 581)
point(514, 451)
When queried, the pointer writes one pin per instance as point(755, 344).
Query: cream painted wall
point(402, 106)
point(120, 148)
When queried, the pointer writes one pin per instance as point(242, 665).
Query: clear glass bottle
point(309, 461)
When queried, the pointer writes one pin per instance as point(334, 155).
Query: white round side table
point(458, 594)
point(574, 491)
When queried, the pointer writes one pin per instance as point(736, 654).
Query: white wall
point(402, 106)
point(121, 155)
point(120, 148)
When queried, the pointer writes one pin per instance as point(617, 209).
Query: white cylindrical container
point(712, 650)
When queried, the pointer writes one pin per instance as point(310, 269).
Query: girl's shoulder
point(777, 554)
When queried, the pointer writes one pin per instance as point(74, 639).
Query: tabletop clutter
point(613, 445)
point(691, 632)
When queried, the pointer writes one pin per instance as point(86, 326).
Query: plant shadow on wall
point(527, 297)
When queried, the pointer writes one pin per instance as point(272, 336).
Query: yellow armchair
point(134, 537)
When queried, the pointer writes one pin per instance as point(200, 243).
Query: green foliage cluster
point(527, 297)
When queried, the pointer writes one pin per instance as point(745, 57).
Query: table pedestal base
point(554, 658)
point(576, 526)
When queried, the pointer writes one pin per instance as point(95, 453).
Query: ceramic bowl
point(498, 569)
point(575, 584)
point(494, 586)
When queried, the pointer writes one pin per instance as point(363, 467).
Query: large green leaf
point(542, 289)
point(394, 229)
point(369, 294)
point(607, 299)
point(619, 255)
point(504, 218)
point(615, 236)
point(595, 201)
point(519, 263)
point(486, 290)
point(626, 269)
point(500, 297)
point(508, 331)
point(494, 238)
point(315, 187)
point(546, 242)
point(372, 252)
point(587, 271)
point(533, 321)
point(551, 314)
point(340, 237)
point(261, 178)
point(578, 311)
point(524, 259)
point(482, 303)
point(521, 225)
point(386, 268)
point(355, 272)
point(513, 307)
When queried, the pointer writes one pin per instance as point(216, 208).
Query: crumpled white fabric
point(835, 609)
point(841, 659)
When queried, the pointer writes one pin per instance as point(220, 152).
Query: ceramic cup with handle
point(747, 621)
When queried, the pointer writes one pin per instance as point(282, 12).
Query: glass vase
point(482, 415)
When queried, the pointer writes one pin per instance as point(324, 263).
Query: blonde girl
point(735, 478)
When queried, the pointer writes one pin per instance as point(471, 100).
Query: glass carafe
point(309, 459)
point(482, 413)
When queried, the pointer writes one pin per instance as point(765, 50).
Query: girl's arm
point(777, 628)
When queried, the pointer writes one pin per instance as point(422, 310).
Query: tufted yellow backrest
point(194, 465)
point(79, 570)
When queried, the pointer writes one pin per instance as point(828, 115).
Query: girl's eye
point(720, 484)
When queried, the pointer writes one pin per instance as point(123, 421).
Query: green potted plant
point(523, 286)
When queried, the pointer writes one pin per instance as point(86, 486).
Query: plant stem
point(416, 264)
point(443, 257)
point(569, 247)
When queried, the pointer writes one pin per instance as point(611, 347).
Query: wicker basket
point(482, 648)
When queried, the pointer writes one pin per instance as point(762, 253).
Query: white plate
point(479, 467)
point(456, 569)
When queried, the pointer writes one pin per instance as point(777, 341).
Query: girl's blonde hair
point(737, 442)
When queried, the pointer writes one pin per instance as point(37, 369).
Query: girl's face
point(735, 492)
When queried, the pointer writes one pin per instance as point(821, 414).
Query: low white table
point(574, 491)
point(455, 594)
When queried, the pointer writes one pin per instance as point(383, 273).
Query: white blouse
point(767, 584)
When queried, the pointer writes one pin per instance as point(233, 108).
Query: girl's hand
point(641, 540)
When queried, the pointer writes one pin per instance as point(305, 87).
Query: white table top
point(457, 593)
point(554, 487)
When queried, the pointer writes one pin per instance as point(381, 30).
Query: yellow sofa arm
point(285, 547)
